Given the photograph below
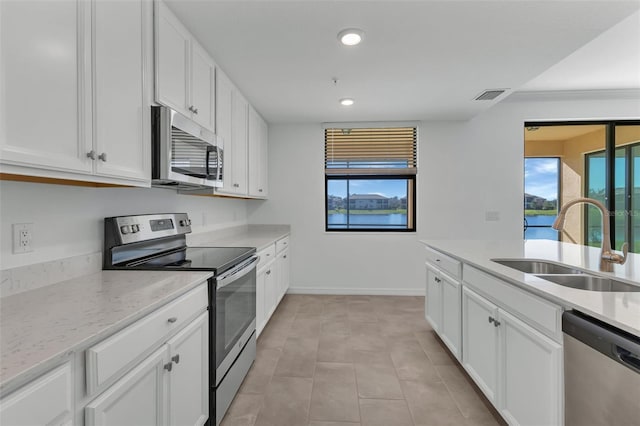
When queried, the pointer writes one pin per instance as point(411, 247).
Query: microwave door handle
point(206, 161)
point(218, 164)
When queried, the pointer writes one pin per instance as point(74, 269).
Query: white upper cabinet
point(43, 82)
point(184, 70)
point(232, 111)
point(258, 144)
point(74, 97)
point(120, 107)
point(202, 87)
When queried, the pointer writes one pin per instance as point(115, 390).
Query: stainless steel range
point(158, 242)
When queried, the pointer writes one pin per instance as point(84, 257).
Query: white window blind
point(371, 151)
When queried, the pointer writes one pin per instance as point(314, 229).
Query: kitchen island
point(620, 309)
point(505, 327)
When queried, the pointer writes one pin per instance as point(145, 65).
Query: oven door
point(235, 313)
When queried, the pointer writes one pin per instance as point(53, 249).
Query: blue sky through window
point(541, 177)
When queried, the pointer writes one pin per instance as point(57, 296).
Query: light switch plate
point(22, 238)
point(492, 216)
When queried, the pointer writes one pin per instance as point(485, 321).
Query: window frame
point(411, 194)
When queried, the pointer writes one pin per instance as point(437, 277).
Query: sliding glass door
point(598, 160)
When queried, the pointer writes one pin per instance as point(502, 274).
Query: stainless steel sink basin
point(537, 266)
point(589, 282)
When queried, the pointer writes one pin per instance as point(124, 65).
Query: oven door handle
point(238, 272)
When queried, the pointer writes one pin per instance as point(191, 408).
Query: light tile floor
point(355, 360)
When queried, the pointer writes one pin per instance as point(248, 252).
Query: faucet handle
point(625, 250)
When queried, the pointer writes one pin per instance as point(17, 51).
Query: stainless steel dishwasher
point(601, 373)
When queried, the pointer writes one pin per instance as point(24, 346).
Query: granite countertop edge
point(14, 379)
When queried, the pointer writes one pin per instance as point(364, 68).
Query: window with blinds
point(370, 176)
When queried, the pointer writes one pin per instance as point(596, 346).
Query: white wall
point(68, 219)
point(465, 170)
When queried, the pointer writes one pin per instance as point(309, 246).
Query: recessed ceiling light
point(346, 102)
point(350, 36)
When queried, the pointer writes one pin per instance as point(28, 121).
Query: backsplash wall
point(68, 219)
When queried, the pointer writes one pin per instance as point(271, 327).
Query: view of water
point(393, 220)
point(540, 233)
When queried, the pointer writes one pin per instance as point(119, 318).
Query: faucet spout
point(607, 256)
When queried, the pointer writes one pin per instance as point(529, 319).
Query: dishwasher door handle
point(628, 358)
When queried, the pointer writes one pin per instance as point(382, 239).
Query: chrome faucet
point(607, 255)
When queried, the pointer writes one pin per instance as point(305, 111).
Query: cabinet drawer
point(282, 244)
point(114, 354)
point(43, 401)
point(444, 262)
point(266, 255)
point(539, 313)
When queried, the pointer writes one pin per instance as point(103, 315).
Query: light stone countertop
point(258, 236)
point(41, 327)
point(620, 309)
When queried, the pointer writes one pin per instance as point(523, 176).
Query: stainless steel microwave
point(185, 155)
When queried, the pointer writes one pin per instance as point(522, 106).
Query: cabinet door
point(51, 394)
point(433, 302)
point(138, 399)
point(263, 189)
point(121, 110)
point(188, 391)
point(44, 85)
point(260, 300)
point(283, 274)
point(480, 342)
point(531, 374)
point(257, 155)
point(172, 60)
point(202, 87)
point(239, 137)
point(451, 314)
point(270, 291)
point(223, 92)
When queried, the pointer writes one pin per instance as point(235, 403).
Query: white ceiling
point(420, 60)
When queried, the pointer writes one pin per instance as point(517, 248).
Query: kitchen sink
point(589, 282)
point(537, 266)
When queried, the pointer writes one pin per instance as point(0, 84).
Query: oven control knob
point(135, 228)
point(185, 222)
point(125, 229)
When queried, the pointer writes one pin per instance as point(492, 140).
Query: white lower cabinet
point(265, 295)
point(283, 266)
point(442, 308)
point(272, 280)
point(531, 366)
point(480, 340)
point(517, 367)
point(137, 399)
point(170, 387)
point(189, 377)
point(48, 400)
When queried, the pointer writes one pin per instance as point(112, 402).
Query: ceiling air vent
point(489, 95)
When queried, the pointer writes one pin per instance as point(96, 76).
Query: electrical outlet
point(22, 237)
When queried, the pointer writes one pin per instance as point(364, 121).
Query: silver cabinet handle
point(195, 110)
point(496, 323)
point(191, 108)
point(491, 319)
point(103, 157)
point(269, 272)
point(173, 319)
point(91, 154)
point(176, 358)
point(259, 190)
point(438, 280)
point(285, 256)
point(168, 366)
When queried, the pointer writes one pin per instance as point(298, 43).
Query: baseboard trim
point(357, 291)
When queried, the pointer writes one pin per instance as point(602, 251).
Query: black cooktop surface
point(215, 259)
